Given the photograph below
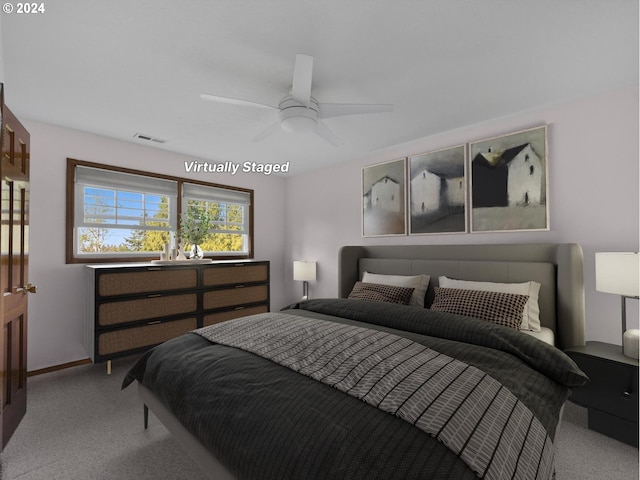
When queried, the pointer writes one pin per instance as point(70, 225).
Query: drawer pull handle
point(154, 295)
point(626, 394)
point(239, 308)
point(153, 269)
point(154, 323)
point(239, 265)
point(239, 286)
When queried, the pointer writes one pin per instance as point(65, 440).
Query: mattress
point(545, 335)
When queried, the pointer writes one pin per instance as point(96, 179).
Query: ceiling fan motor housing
point(295, 116)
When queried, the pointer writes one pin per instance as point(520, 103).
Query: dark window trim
point(70, 220)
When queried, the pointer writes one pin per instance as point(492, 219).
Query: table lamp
point(305, 272)
point(618, 272)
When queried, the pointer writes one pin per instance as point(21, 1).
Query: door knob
point(30, 288)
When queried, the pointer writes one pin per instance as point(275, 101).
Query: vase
point(181, 255)
point(196, 252)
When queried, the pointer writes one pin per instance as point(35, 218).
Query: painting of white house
point(384, 199)
point(509, 178)
point(437, 191)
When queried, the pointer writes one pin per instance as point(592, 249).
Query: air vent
point(149, 138)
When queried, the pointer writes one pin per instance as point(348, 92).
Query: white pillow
point(418, 282)
point(531, 312)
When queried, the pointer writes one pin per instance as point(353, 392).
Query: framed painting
point(384, 199)
point(438, 191)
point(509, 182)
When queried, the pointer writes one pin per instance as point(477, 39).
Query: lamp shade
point(305, 271)
point(618, 272)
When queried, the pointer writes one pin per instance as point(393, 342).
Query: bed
point(352, 388)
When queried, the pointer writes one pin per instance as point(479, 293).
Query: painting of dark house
point(383, 199)
point(509, 182)
point(437, 191)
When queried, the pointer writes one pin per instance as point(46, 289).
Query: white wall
point(56, 318)
point(593, 195)
point(1, 56)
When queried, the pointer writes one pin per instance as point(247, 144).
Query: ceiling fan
point(299, 111)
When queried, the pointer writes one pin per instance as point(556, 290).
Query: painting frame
point(438, 198)
point(509, 182)
point(384, 199)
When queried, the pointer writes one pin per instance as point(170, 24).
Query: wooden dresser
point(131, 308)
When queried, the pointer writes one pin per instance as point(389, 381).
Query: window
point(229, 210)
point(116, 214)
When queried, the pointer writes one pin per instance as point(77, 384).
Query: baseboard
point(55, 368)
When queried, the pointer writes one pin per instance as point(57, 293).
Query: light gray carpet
point(80, 426)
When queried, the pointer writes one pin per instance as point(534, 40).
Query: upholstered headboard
point(557, 267)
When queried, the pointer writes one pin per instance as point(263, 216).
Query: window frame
point(72, 257)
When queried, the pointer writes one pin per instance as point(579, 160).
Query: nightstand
point(611, 396)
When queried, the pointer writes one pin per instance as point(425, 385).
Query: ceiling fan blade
point(302, 76)
point(328, 110)
point(234, 101)
point(265, 133)
point(324, 132)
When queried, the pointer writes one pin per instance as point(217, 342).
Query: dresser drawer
point(154, 306)
point(231, 314)
point(150, 280)
point(125, 339)
point(235, 296)
point(235, 274)
point(613, 387)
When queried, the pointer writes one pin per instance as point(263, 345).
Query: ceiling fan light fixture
point(298, 124)
point(297, 118)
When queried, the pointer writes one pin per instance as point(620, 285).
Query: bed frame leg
point(108, 367)
point(146, 416)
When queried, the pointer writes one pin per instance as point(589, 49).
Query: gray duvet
point(264, 420)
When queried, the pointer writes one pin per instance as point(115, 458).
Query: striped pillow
point(377, 292)
point(500, 308)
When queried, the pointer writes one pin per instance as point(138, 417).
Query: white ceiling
point(120, 67)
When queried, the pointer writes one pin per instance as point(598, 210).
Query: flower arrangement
point(195, 225)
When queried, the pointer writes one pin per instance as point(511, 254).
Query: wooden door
point(14, 262)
